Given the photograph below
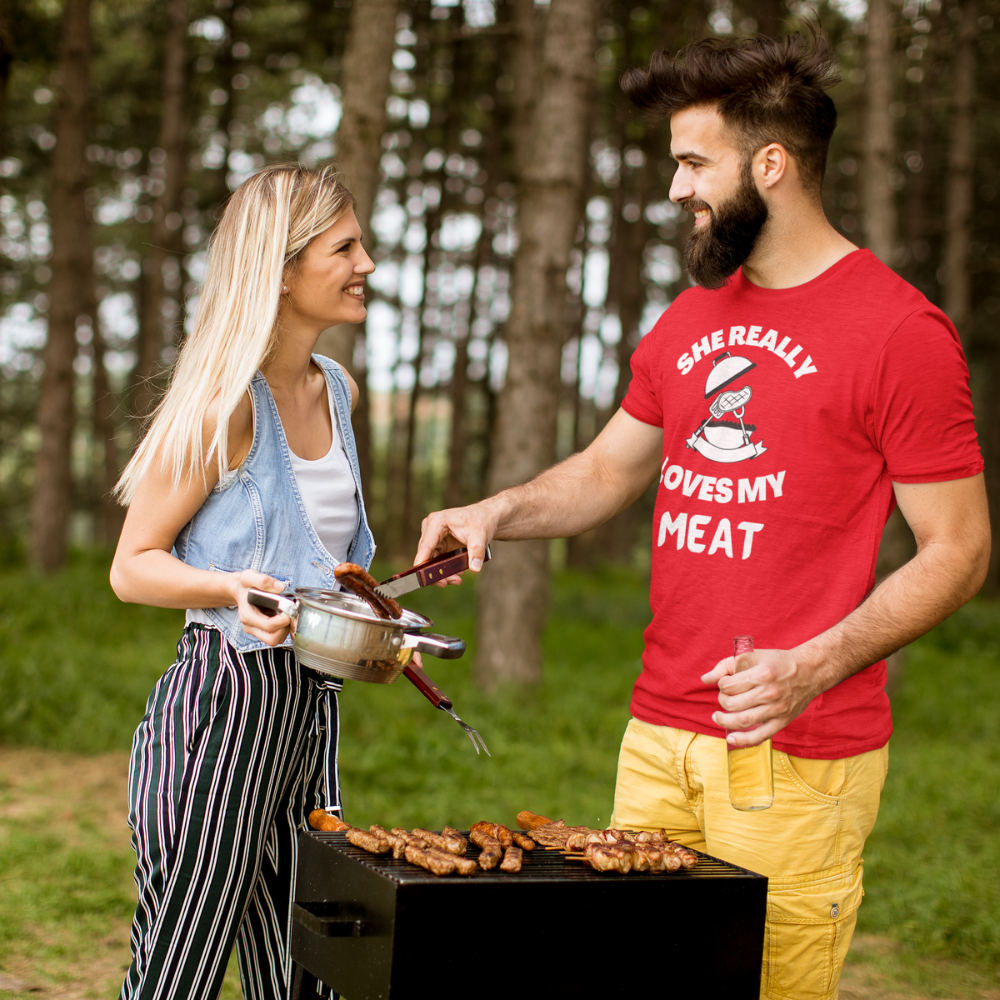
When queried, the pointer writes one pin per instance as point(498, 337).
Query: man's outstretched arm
point(950, 522)
point(579, 493)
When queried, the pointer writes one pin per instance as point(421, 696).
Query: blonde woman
point(247, 477)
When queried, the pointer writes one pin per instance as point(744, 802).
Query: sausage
point(453, 834)
point(436, 862)
point(463, 866)
point(491, 853)
point(523, 840)
point(497, 830)
point(411, 840)
point(357, 579)
point(447, 844)
point(512, 860)
point(529, 820)
point(397, 844)
point(367, 841)
point(481, 838)
point(320, 819)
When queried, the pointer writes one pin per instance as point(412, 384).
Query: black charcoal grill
point(375, 928)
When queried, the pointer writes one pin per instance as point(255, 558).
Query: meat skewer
point(357, 579)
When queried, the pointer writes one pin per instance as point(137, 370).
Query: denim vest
point(256, 518)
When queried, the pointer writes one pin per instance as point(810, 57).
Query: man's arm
point(583, 491)
point(950, 522)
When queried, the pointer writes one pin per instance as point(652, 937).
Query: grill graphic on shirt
point(724, 435)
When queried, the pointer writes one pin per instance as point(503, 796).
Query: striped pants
point(233, 753)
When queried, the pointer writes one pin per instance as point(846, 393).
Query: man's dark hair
point(765, 90)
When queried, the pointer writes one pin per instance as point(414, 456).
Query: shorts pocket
point(795, 776)
point(810, 921)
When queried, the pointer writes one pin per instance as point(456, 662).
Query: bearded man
point(787, 404)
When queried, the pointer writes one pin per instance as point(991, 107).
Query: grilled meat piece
point(556, 835)
point(452, 834)
point(529, 820)
point(436, 862)
point(491, 853)
point(512, 860)
point(463, 866)
point(320, 819)
point(357, 579)
point(447, 844)
point(609, 859)
point(367, 841)
point(497, 830)
point(522, 840)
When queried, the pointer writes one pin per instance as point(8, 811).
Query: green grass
point(932, 865)
point(76, 668)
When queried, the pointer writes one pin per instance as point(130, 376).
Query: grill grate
point(539, 865)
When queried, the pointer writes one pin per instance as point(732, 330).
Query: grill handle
point(328, 924)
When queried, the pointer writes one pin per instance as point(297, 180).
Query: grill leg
point(305, 986)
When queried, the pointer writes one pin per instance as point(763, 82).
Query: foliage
point(262, 86)
point(77, 666)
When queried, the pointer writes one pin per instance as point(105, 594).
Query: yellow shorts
point(808, 843)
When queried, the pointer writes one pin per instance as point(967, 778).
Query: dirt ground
point(94, 788)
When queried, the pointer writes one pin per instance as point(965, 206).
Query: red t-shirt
point(787, 413)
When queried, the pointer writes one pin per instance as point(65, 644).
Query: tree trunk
point(958, 190)
point(72, 262)
point(166, 217)
point(878, 195)
point(6, 58)
point(514, 590)
point(364, 88)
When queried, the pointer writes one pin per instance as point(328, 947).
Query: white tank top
point(328, 492)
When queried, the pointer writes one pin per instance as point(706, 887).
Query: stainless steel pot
point(338, 634)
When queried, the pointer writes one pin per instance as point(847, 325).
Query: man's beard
point(718, 248)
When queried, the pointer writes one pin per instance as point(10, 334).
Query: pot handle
point(273, 604)
point(443, 646)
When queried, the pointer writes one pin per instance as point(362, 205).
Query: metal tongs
point(439, 699)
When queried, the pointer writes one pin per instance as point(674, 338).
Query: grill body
point(375, 928)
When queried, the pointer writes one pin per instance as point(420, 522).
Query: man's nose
point(680, 188)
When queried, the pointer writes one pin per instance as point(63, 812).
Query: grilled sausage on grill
point(367, 841)
point(489, 856)
point(497, 830)
point(320, 819)
point(436, 862)
point(453, 834)
point(449, 845)
point(529, 820)
point(523, 840)
point(359, 580)
point(512, 860)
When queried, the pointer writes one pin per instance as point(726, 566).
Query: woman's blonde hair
point(268, 221)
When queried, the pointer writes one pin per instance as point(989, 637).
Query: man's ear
point(770, 164)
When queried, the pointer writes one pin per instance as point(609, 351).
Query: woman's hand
point(273, 629)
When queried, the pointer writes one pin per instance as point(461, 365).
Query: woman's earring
point(284, 288)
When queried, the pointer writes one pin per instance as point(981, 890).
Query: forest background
point(515, 206)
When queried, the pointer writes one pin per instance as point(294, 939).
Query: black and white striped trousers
point(233, 753)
